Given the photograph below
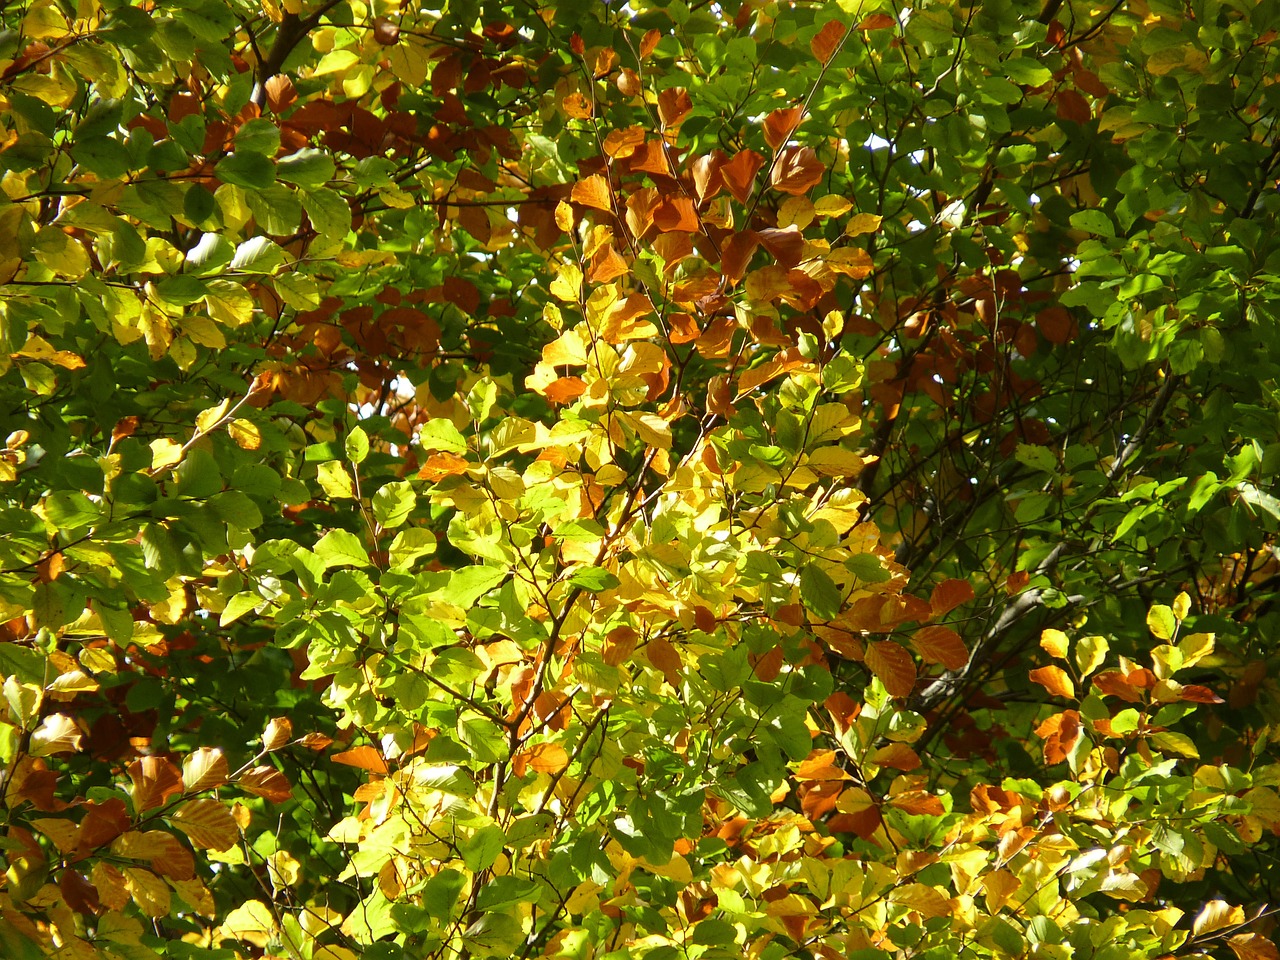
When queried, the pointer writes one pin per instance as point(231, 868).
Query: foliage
point(651, 480)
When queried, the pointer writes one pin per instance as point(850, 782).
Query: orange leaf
point(820, 765)
point(623, 143)
point(891, 663)
point(666, 658)
point(592, 192)
point(564, 390)
point(640, 209)
point(877, 21)
point(649, 43)
point(443, 464)
point(1060, 733)
point(948, 595)
point(266, 782)
point(577, 106)
point(208, 824)
point(155, 780)
point(896, 755)
point(737, 253)
point(827, 41)
point(798, 171)
point(676, 213)
point(673, 106)
point(1055, 680)
point(1253, 946)
point(780, 124)
point(366, 758)
point(706, 176)
point(739, 174)
point(942, 645)
point(548, 758)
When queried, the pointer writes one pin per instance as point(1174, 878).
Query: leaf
point(393, 503)
point(363, 757)
point(266, 782)
point(948, 595)
point(548, 758)
point(1055, 680)
point(592, 191)
point(797, 171)
point(1055, 643)
point(204, 769)
point(1161, 622)
point(208, 823)
point(441, 434)
point(892, 665)
point(1253, 946)
point(1216, 915)
point(942, 645)
point(338, 548)
point(1090, 654)
point(827, 41)
point(278, 733)
point(819, 592)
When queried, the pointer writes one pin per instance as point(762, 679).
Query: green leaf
point(1161, 622)
point(246, 169)
point(258, 255)
point(593, 579)
point(393, 503)
point(357, 445)
point(440, 434)
point(480, 852)
point(307, 168)
point(338, 548)
point(819, 592)
point(1093, 221)
point(258, 135)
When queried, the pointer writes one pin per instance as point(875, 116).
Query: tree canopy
point(517, 478)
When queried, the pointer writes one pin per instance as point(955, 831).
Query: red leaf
point(891, 663)
point(576, 45)
point(948, 595)
point(1198, 694)
point(827, 41)
point(938, 644)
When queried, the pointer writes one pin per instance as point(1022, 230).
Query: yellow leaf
point(208, 823)
point(831, 206)
point(245, 433)
point(1090, 652)
point(165, 453)
point(861, 223)
point(1054, 642)
point(1195, 648)
point(252, 922)
point(927, 900)
point(1215, 915)
point(1181, 605)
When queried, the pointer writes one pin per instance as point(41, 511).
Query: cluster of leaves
point(543, 480)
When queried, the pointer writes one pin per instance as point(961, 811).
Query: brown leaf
point(938, 644)
point(1055, 680)
point(673, 106)
point(781, 124)
point(266, 782)
point(155, 780)
point(207, 823)
point(315, 741)
point(877, 21)
point(798, 171)
point(1056, 324)
point(892, 664)
point(592, 192)
point(663, 656)
point(736, 254)
point(386, 32)
point(827, 41)
point(739, 174)
point(102, 824)
point(576, 106)
point(649, 42)
point(1253, 946)
point(948, 595)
